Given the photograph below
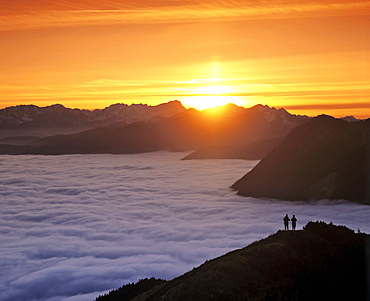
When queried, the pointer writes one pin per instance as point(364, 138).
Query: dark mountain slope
point(19, 140)
point(266, 123)
point(324, 158)
point(321, 262)
point(129, 291)
point(186, 131)
point(134, 138)
point(253, 151)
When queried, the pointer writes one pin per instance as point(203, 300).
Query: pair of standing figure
point(286, 220)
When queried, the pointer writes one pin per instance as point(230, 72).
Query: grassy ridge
point(321, 262)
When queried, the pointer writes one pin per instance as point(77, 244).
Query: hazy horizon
point(75, 226)
point(309, 57)
point(220, 106)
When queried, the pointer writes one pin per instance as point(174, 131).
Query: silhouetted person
point(294, 222)
point(286, 220)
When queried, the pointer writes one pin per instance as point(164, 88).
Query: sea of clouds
point(73, 227)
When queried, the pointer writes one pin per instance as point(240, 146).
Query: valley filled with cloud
point(73, 227)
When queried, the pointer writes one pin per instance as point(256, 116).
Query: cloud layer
point(73, 227)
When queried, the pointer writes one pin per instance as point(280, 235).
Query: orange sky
point(310, 57)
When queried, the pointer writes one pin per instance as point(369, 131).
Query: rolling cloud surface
point(73, 227)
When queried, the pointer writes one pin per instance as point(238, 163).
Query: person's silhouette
point(286, 220)
point(294, 222)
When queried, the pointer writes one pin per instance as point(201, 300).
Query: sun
point(210, 97)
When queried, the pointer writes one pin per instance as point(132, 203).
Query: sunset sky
point(310, 57)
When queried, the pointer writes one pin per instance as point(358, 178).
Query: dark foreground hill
point(326, 158)
point(131, 290)
point(321, 262)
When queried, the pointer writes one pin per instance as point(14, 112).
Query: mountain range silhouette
point(185, 131)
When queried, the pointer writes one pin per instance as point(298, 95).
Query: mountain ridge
point(253, 151)
point(325, 158)
point(221, 132)
point(320, 262)
point(23, 119)
point(185, 131)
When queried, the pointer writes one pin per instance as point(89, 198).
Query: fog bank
point(73, 227)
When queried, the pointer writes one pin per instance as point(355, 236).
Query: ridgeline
point(326, 158)
point(320, 262)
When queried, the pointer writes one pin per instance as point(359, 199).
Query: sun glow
point(211, 96)
point(216, 90)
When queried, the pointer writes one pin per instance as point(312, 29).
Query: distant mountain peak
point(172, 102)
point(350, 118)
point(117, 105)
point(232, 105)
point(225, 110)
point(57, 105)
point(261, 107)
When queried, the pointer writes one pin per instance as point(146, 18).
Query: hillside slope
point(253, 151)
point(326, 158)
point(321, 262)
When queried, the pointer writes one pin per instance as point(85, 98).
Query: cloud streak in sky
point(73, 227)
point(22, 15)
